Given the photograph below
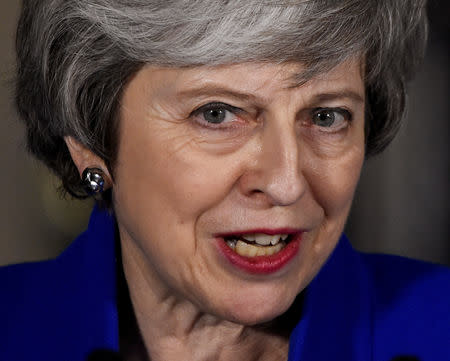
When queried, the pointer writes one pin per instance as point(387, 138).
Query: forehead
point(258, 79)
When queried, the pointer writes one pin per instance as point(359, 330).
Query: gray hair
point(75, 56)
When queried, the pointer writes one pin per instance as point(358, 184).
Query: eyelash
point(213, 106)
point(346, 114)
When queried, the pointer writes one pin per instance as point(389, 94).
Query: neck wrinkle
point(178, 331)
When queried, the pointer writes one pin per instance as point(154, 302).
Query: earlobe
point(91, 168)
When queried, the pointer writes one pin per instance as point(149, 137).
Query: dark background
point(401, 205)
point(402, 202)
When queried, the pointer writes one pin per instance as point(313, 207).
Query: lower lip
point(261, 264)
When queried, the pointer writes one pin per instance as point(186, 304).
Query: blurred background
point(401, 205)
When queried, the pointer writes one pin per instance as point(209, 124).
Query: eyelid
point(335, 128)
point(348, 115)
point(213, 105)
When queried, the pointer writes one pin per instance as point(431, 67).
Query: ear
point(85, 158)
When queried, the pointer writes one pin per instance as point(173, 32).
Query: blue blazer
point(359, 307)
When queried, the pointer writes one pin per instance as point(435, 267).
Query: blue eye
point(215, 113)
point(330, 117)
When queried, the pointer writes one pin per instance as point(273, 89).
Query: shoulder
point(383, 306)
point(410, 302)
point(36, 297)
point(33, 292)
point(84, 264)
point(399, 276)
point(74, 292)
point(33, 276)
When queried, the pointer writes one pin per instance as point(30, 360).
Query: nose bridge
point(280, 162)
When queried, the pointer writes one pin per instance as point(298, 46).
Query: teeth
point(265, 239)
point(249, 250)
point(232, 243)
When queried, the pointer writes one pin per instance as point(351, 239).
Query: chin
point(257, 317)
point(262, 310)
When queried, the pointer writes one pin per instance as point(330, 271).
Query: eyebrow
point(340, 94)
point(212, 90)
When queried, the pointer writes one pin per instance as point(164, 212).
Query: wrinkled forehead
point(289, 74)
point(259, 83)
point(301, 74)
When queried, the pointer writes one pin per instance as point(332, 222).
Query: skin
point(179, 181)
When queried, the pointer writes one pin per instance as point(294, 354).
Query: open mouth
point(260, 251)
point(257, 244)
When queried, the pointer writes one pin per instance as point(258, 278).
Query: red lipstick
point(261, 264)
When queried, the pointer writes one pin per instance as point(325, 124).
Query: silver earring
point(93, 180)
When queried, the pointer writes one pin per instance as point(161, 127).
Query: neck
point(156, 325)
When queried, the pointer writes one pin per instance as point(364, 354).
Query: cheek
point(333, 182)
point(168, 178)
point(336, 173)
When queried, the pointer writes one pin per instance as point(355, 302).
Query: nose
point(275, 174)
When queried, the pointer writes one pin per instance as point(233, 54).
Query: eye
point(215, 113)
point(215, 116)
point(331, 119)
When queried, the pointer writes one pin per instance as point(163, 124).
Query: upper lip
point(268, 231)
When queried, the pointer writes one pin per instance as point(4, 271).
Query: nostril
point(259, 197)
point(256, 191)
point(258, 194)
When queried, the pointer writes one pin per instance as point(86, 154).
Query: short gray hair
point(75, 56)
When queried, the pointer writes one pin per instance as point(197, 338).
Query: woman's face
point(215, 154)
